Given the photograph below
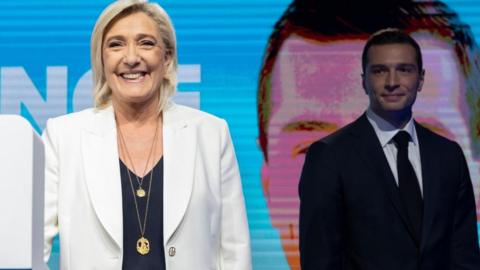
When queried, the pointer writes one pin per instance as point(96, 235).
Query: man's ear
point(421, 80)
point(363, 83)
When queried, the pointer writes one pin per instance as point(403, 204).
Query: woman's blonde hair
point(101, 91)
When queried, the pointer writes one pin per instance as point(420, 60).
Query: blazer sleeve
point(465, 246)
point(235, 237)
point(51, 188)
point(321, 211)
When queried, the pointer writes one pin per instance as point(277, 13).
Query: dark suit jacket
point(351, 215)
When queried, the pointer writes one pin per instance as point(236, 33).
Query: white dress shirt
point(385, 133)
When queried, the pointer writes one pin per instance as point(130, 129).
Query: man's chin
point(392, 109)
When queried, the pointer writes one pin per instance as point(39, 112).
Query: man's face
point(392, 79)
point(316, 88)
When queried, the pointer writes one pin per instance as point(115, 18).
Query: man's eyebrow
point(410, 65)
point(310, 125)
point(376, 65)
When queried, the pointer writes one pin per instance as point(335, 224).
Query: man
point(309, 87)
point(384, 192)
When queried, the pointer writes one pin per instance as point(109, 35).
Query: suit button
point(172, 251)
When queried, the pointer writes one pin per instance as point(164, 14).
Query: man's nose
point(391, 82)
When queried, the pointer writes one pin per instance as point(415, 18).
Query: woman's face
point(134, 59)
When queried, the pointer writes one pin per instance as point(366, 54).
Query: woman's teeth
point(132, 76)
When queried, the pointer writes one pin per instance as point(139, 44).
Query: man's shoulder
point(342, 139)
point(424, 134)
point(437, 147)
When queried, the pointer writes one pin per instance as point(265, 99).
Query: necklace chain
point(139, 179)
point(143, 245)
point(142, 227)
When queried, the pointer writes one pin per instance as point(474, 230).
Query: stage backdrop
point(45, 72)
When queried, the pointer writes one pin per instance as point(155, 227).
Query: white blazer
point(205, 225)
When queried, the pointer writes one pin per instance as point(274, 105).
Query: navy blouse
point(154, 227)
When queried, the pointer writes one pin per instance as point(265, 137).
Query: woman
point(139, 182)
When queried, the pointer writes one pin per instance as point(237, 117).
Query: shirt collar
point(386, 131)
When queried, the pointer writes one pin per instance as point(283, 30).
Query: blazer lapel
point(429, 173)
point(179, 149)
point(371, 152)
point(102, 172)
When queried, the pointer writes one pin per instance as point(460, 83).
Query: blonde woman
point(139, 182)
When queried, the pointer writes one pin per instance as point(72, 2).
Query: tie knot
point(401, 139)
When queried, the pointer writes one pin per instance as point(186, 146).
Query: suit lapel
point(370, 150)
point(429, 173)
point(102, 172)
point(179, 148)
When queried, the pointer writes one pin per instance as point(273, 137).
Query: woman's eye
point(114, 44)
point(147, 43)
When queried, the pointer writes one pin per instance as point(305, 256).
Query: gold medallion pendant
point(140, 192)
point(143, 246)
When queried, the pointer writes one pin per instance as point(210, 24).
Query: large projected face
point(316, 88)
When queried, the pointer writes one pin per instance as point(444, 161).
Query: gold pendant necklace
point(140, 192)
point(143, 245)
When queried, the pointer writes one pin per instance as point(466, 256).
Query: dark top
point(154, 229)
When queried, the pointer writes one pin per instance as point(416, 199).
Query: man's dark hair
point(391, 36)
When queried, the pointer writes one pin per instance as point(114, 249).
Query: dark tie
point(408, 185)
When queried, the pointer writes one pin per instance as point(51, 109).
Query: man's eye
point(406, 69)
point(378, 71)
